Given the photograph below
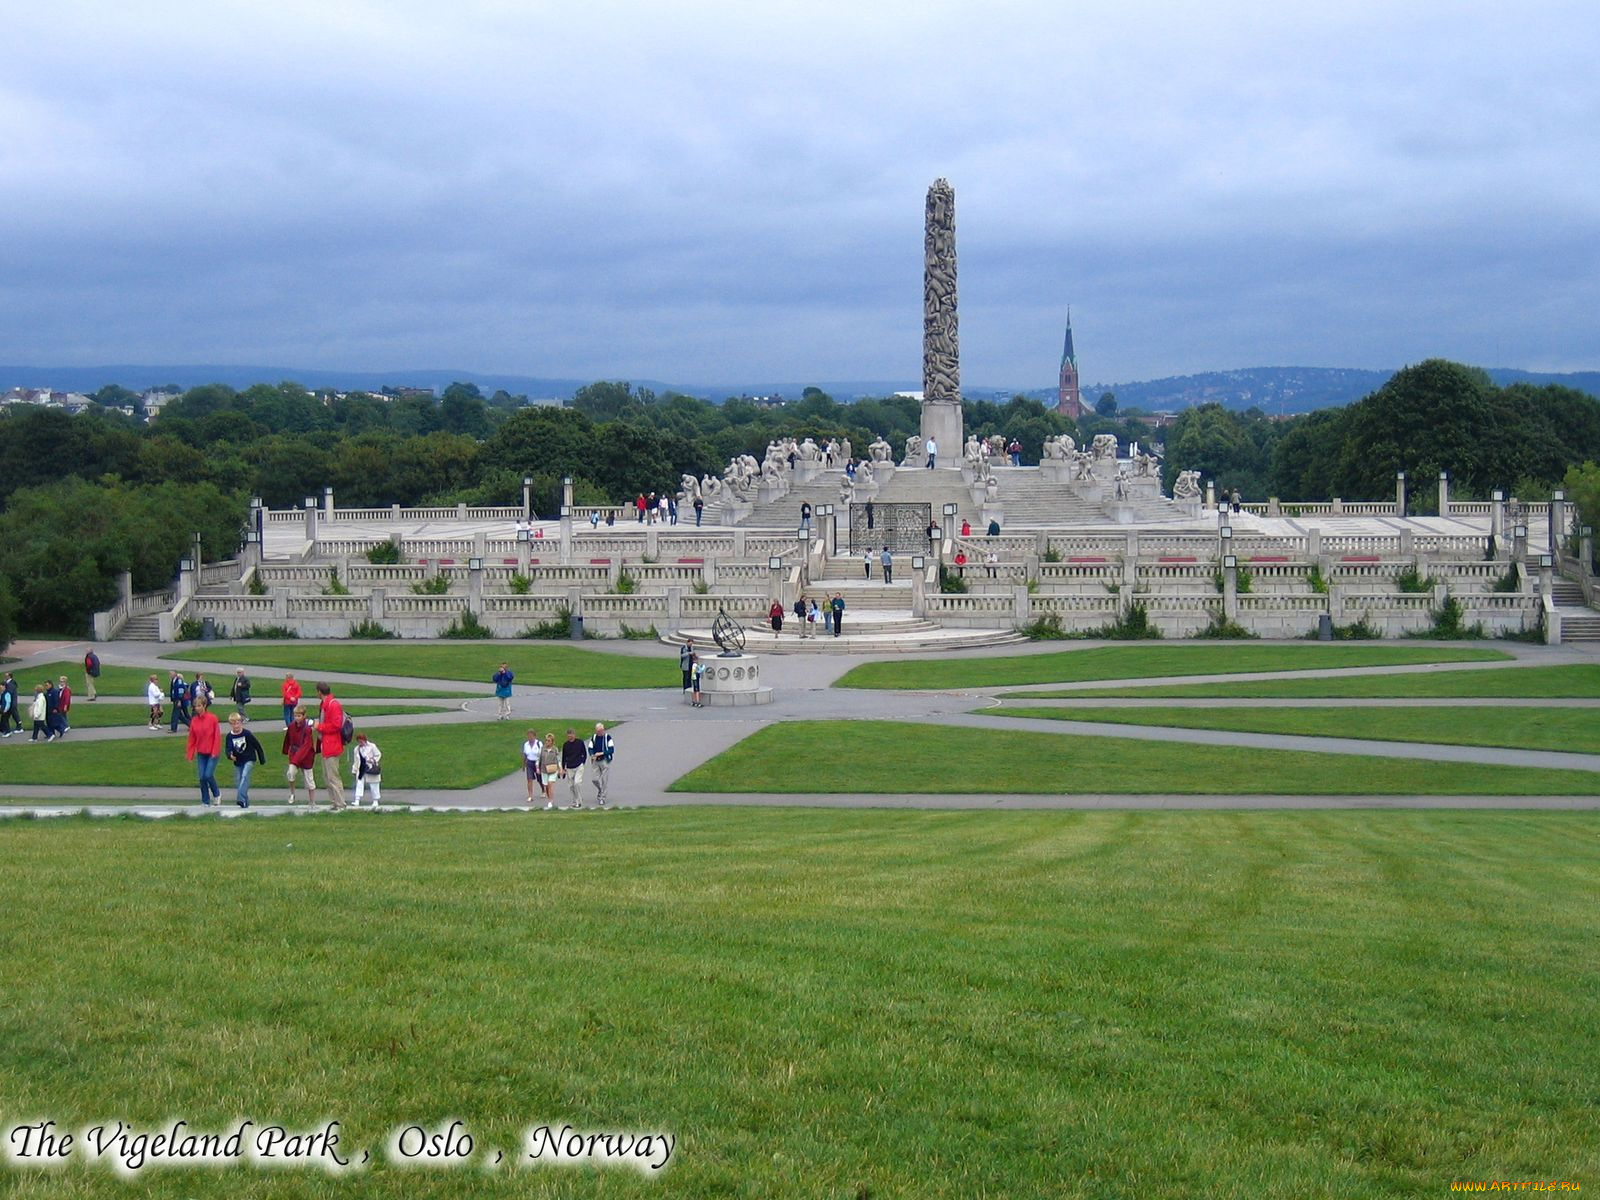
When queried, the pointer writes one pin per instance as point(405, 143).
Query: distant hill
point(1274, 390)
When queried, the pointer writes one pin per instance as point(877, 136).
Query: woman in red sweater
point(205, 747)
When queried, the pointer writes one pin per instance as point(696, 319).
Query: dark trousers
point(888, 574)
point(838, 622)
point(8, 719)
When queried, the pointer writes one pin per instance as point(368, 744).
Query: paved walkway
point(663, 738)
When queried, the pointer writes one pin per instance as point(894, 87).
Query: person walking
point(800, 616)
point(602, 749)
point(200, 688)
point(866, 563)
point(686, 660)
point(775, 616)
point(300, 748)
point(827, 616)
point(933, 452)
point(331, 732)
point(290, 691)
point(52, 712)
point(244, 752)
point(204, 748)
point(239, 693)
point(966, 528)
point(531, 749)
point(573, 758)
point(837, 604)
point(549, 767)
point(91, 672)
point(153, 696)
point(813, 615)
point(38, 711)
point(63, 707)
point(10, 714)
point(695, 699)
point(805, 519)
point(367, 764)
point(502, 692)
point(178, 693)
point(699, 510)
point(888, 565)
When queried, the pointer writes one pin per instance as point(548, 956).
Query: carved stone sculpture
point(996, 445)
point(971, 452)
point(1105, 445)
point(941, 358)
point(1060, 448)
point(1186, 486)
point(913, 447)
point(688, 488)
point(1083, 462)
point(881, 451)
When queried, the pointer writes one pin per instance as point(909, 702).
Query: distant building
point(1069, 402)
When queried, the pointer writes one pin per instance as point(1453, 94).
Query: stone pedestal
point(733, 681)
point(942, 422)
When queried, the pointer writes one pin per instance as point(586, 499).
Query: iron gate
point(901, 527)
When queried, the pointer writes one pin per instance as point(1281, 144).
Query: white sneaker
point(548, 805)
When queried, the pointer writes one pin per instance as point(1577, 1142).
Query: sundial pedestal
point(733, 680)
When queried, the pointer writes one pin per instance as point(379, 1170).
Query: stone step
point(862, 639)
point(141, 629)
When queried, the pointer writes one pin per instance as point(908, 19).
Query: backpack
point(93, 665)
point(347, 731)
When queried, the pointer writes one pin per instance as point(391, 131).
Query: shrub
point(626, 585)
point(1319, 585)
point(1413, 581)
point(519, 584)
point(1051, 554)
point(557, 628)
point(439, 585)
point(1241, 580)
point(384, 554)
point(701, 587)
point(257, 588)
point(190, 629)
point(269, 631)
point(466, 625)
point(1447, 623)
point(1509, 582)
point(638, 635)
point(370, 630)
point(1132, 625)
point(950, 583)
point(335, 586)
point(1044, 629)
point(1221, 627)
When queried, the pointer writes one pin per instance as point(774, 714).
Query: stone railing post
point(1406, 541)
point(674, 607)
point(1497, 515)
point(1130, 561)
point(475, 586)
point(1399, 493)
point(1558, 520)
point(566, 537)
point(327, 502)
point(1444, 493)
point(311, 521)
point(375, 604)
point(1230, 589)
point(1314, 544)
point(652, 540)
point(1337, 509)
point(1019, 606)
point(1030, 568)
point(918, 590)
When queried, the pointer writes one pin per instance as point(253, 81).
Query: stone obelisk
point(941, 354)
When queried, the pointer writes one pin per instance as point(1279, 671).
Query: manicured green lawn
point(1577, 681)
point(886, 1005)
point(1144, 660)
point(1572, 729)
point(131, 681)
point(534, 664)
point(102, 715)
point(895, 757)
point(414, 757)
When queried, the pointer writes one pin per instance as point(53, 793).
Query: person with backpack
point(502, 691)
point(91, 672)
point(367, 763)
point(699, 674)
point(686, 660)
point(239, 693)
point(602, 749)
point(333, 727)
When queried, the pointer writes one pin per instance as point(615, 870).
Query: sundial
point(727, 633)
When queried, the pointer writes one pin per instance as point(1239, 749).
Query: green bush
point(1448, 625)
point(628, 634)
point(1319, 585)
point(384, 554)
point(190, 629)
point(466, 625)
point(626, 585)
point(271, 632)
point(1509, 582)
point(1221, 627)
point(438, 585)
point(558, 628)
point(1413, 581)
point(335, 586)
point(1051, 555)
point(1045, 629)
point(519, 584)
point(950, 583)
point(369, 630)
point(1133, 625)
point(257, 588)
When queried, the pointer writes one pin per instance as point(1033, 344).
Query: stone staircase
point(141, 629)
point(1579, 622)
point(864, 633)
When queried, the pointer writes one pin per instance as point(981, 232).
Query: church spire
point(1068, 400)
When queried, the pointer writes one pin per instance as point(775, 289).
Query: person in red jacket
point(330, 728)
point(291, 697)
point(300, 748)
point(205, 747)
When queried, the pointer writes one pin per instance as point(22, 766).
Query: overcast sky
point(723, 192)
